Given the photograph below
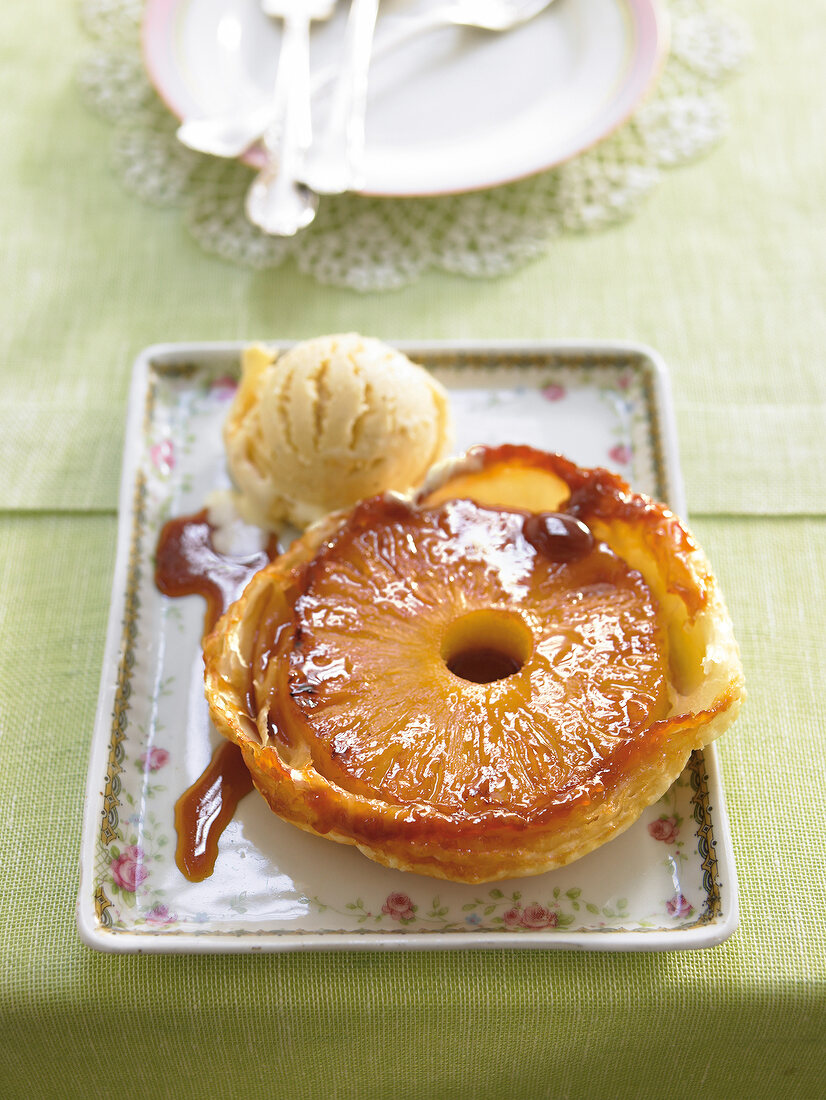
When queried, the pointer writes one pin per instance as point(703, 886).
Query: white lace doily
point(378, 244)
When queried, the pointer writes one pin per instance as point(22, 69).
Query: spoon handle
point(335, 163)
point(405, 30)
point(277, 202)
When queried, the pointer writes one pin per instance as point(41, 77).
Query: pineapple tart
point(486, 680)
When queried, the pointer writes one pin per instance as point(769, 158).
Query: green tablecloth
point(724, 271)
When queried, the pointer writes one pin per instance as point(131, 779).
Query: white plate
point(668, 882)
point(455, 110)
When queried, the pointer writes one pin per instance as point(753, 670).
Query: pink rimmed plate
point(453, 111)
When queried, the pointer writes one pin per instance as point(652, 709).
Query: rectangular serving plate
point(667, 883)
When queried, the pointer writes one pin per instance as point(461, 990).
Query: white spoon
point(335, 162)
point(277, 202)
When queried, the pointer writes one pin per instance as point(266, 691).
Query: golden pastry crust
point(350, 719)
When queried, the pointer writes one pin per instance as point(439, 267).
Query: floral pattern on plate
point(666, 882)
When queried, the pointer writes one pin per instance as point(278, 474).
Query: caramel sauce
point(557, 535)
point(187, 564)
point(206, 808)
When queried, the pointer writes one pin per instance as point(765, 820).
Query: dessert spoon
point(277, 201)
point(334, 163)
point(232, 134)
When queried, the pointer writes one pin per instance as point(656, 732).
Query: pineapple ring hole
point(484, 646)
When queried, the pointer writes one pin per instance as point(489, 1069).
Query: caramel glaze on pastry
point(486, 681)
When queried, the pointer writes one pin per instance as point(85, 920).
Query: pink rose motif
point(624, 381)
point(398, 906)
point(553, 392)
point(679, 906)
point(621, 453)
point(513, 917)
point(128, 870)
point(224, 387)
point(162, 456)
point(154, 759)
point(160, 914)
point(537, 916)
point(666, 829)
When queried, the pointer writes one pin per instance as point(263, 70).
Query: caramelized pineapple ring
point(570, 656)
point(467, 687)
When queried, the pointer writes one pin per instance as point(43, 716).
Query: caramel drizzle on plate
point(187, 564)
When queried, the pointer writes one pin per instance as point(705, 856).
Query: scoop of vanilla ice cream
point(330, 421)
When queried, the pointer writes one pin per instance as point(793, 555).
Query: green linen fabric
point(721, 271)
point(745, 1019)
point(724, 272)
